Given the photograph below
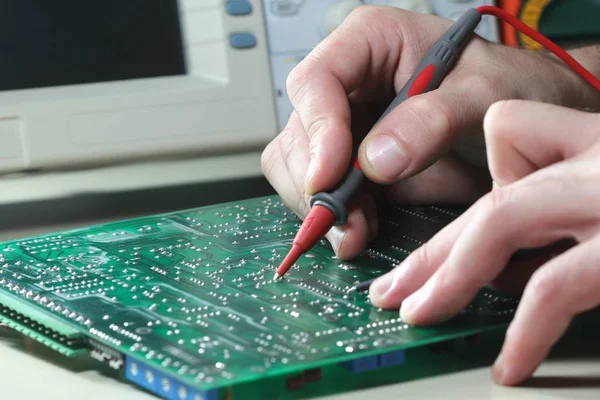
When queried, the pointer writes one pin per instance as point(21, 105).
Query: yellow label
point(531, 14)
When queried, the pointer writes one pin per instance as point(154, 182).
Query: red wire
point(544, 41)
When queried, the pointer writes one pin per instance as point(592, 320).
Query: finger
point(515, 276)
point(430, 186)
point(284, 162)
point(351, 238)
point(390, 290)
point(514, 130)
point(363, 52)
point(284, 165)
point(565, 286)
point(449, 180)
point(528, 214)
point(423, 128)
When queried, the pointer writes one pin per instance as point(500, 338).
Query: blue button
point(238, 7)
point(242, 40)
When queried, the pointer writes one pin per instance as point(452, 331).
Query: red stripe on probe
point(421, 81)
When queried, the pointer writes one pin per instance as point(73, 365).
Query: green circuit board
point(189, 295)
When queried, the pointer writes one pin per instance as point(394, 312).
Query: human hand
point(417, 152)
point(545, 163)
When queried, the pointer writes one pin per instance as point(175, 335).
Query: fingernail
point(335, 237)
point(406, 313)
point(409, 306)
point(385, 155)
point(380, 287)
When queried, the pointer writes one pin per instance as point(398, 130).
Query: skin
point(458, 144)
point(546, 190)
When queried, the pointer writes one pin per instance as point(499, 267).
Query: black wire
point(363, 286)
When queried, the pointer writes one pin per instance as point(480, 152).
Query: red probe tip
point(316, 224)
point(288, 261)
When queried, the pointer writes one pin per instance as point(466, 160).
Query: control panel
point(295, 27)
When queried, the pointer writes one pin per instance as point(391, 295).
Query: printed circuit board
point(185, 306)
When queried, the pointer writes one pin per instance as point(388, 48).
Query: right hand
point(431, 147)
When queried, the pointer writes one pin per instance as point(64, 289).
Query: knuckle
point(298, 79)
point(315, 126)
point(376, 23)
point(439, 115)
point(502, 174)
point(560, 182)
point(316, 129)
point(544, 287)
point(496, 119)
point(364, 13)
point(494, 207)
point(288, 145)
point(321, 125)
point(482, 86)
point(432, 120)
point(421, 257)
point(302, 206)
point(268, 159)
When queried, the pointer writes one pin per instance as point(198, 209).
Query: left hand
point(545, 163)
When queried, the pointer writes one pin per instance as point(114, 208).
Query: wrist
point(574, 91)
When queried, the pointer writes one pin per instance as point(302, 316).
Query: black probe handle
point(429, 74)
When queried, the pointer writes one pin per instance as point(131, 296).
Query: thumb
point(417, 132)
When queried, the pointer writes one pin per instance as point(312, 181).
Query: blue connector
point(391, 359)
point(363, 364)
point(162, 385)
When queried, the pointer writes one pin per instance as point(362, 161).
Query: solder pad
point(191, 292)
